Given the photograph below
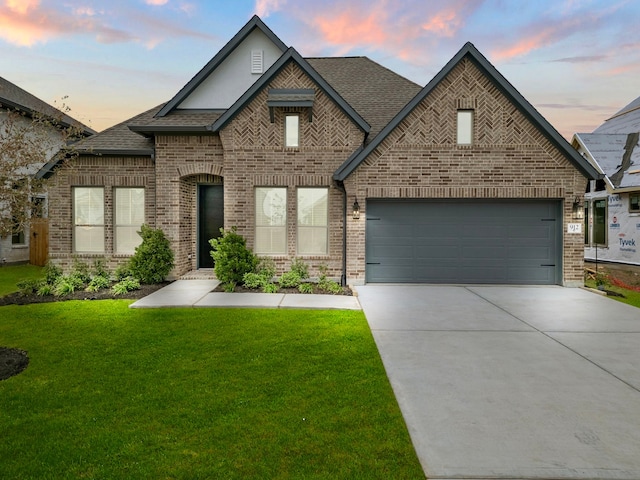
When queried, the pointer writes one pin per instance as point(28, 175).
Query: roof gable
point(249, 33)
point(469, 51)
point(290, 56)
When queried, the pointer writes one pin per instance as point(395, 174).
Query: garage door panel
point(508, 242)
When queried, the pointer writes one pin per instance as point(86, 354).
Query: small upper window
point(465, 127)
point(634, 202)
point(291, 130)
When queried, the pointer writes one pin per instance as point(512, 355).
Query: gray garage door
point(479, 241)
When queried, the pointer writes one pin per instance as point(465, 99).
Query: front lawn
point(10, 275)
point(197, 393)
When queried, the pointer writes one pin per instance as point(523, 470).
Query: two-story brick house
point(340, 162)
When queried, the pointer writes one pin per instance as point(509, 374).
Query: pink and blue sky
point(576, 61)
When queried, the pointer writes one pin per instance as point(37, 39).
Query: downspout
point(343, 277)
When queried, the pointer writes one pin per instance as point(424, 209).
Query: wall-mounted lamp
point(356, 210)
point(578, 208)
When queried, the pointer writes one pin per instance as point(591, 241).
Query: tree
point(28, 140)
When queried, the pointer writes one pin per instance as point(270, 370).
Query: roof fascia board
point(149, 130)
point(4, 102)
point(290, 55)
point(507, 89)
point(231, 45)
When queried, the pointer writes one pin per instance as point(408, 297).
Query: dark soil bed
point(19, 299)
point(12, 362)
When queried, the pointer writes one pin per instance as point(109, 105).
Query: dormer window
point(465, 127)
point(291, 130)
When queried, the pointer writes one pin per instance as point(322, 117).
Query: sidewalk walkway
point(199, 293)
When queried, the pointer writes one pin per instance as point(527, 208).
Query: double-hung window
point(313, 215)
point(88, 219)
point(129, 217)
point(271, 220)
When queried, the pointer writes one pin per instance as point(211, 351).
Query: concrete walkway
point(199, 293)
point(512, 382)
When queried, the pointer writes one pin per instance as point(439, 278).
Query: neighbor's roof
point(615, 155)
point(15, 98)
point(627, 120)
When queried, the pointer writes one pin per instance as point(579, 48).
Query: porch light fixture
point(356, 210)
point(578, 208)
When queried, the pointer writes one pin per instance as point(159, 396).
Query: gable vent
point(257, 61)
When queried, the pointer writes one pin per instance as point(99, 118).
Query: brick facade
point(509, 159)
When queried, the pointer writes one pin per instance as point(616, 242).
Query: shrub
point(305, 288)
point(253, 280)
point(98, 282)
point(326, 284)
point(45, 290)
point(67, 284)
point(29, 287)
point(80, 272)
point(153, 258)
point(290, 279)
point(126, 285)
point(232, 257)
point(122, 271)
point(298, 266)
point(99, 270)
point(266, 267)
point(51, 273)
point(270, 288)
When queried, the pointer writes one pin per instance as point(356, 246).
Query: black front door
point(210, 220)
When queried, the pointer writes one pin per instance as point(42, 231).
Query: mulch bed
point(19, 299)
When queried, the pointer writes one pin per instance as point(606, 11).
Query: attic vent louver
point(257, 61)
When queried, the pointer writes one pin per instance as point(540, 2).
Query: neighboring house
point(14, 100)
point(339, 162)
point(612, 205)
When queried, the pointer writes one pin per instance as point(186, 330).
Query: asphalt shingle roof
point(14, 97)
point(375, 92)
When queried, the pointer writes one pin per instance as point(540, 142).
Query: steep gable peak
point(232, 71)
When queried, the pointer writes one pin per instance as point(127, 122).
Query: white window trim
point(117, 226)
point(279, 229)
point(294, 143)
point(97, 226)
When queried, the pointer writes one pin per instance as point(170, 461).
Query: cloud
point(27, 22)
point(264, 8)
point(157, 3)
point(582, 59)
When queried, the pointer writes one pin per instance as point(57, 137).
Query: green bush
point(98, 282)
point(290, 279)
point(270, 288)
point(326, 284)
point(305, 288)
point(29, 287)
point(126, 285)
point(52, 273)
point(45, 290)
point(232, 257)
point(229, 287)
point(254, 280)
point(153, 258)
point(298, 266)
point(67, 284)
point(80, 272)
point(99, 270)
point(122, 271)
point(266, 267)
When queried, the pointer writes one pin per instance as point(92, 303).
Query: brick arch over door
point(200, 169)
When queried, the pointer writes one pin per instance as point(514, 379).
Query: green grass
point(12, 274)
point(197, 393)
point(631, 297)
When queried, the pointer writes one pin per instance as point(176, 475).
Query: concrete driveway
point(512, 382)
